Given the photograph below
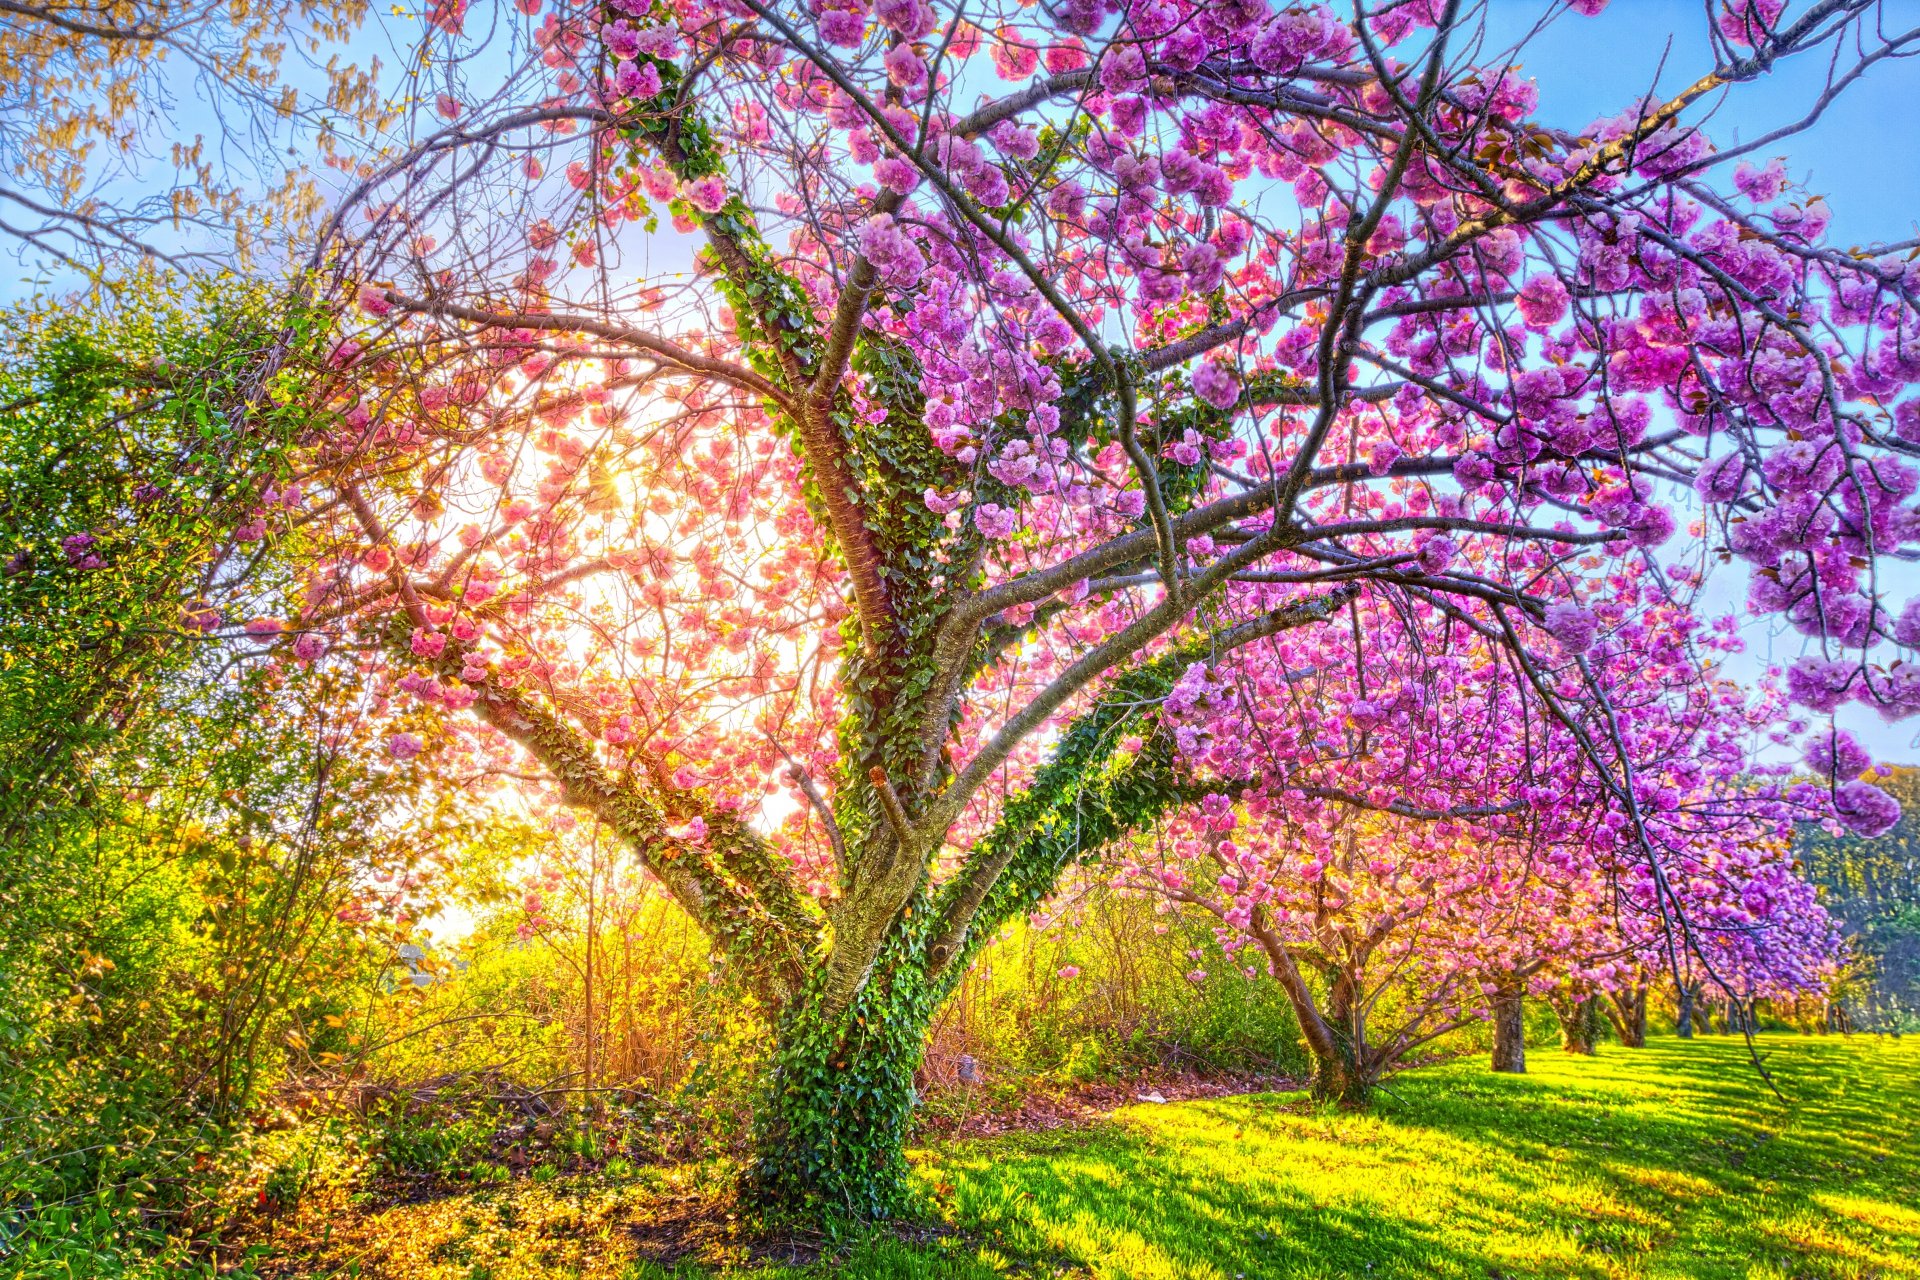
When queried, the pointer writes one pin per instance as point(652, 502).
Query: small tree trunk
point(1578, 1021)
point(1683, 1020)
point(830, 1132)
point(1340, 1081)
point(1340, 1076)
point(1628, 1014)
point(1337, 1072)
point(1509, 1031)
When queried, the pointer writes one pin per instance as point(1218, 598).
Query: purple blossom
point(1866, 809)
point(1819, 683)
point(1906, 631)
point(1542, 301)
point(636, 80)
point(995, 521)
point(892, 252)
point(1436, 554)
point(1721, 479)
point(905, 68)
point(896, 174)
point(621, 40)
point(80, 553)
point(1835, 754)
point(844, 27)
point(1216, 383)
point(1574, 627)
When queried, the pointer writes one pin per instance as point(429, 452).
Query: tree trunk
point(1578, 1021)
point(1509, 1031)
point(1340, 1074)
point(830, 1132)
point(1341, 1081)
point(1683, 1020)
point(1628, 1014)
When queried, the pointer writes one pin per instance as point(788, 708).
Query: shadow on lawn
point(1671, 1160)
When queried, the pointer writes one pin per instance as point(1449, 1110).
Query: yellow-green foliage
point(1097, 987)
point(1099, 984)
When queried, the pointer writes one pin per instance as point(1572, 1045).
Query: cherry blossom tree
point(840, 550)
point(1407, 821)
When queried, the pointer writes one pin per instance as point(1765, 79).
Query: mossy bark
point(1683, 1019)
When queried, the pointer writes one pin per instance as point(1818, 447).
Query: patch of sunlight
point(1842, 1249)
point(1078, 1173)
point(1117, 1252)
point(1550, 1251)
point(1892, 1218)
point(1675, 1183)
point(1592, 1199)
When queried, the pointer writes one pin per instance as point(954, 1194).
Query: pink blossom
point(896, 174)
point(995, 521)
point(1543, 301)
point(1820, 684)
point(1216, 383)
point(404, 746)
point(636, 80)
point(845, 27)
point(708, 194)
point(1436, 554)
point(1574, 627)
point(620, 39)
point(905, 68)
point(1837, 755)
point(1906, 630)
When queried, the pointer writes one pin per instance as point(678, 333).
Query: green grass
point(1668, 1161)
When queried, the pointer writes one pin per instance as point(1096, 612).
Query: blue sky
point(1863, 155)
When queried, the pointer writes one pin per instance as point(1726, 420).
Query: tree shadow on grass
point(1669, 1160)
point(1119, 1208)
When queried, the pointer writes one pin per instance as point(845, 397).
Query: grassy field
point(1668, 1161)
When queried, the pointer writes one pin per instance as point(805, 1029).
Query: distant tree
point(136, 445)
point(178, 129)
point(1872, 885)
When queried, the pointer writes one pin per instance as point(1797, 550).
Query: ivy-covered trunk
point(1509, 1031)
point(1340, 1080)
point(1342, 1067)
point(830, 1134)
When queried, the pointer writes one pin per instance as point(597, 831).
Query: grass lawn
point(1668, 1161)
